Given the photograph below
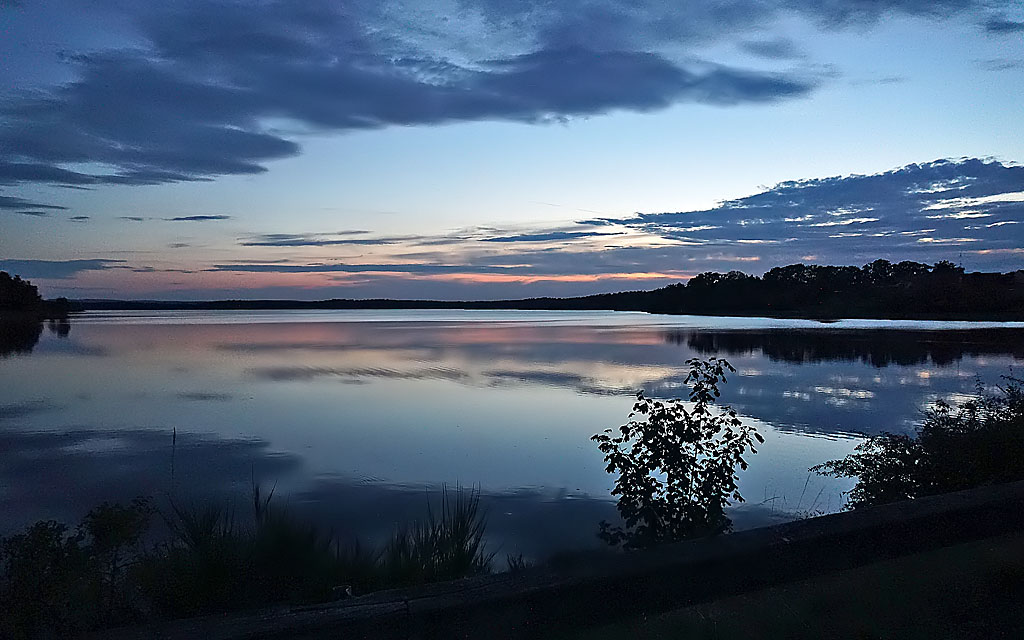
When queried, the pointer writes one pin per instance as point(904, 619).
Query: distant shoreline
point(879, 290)
point(528, 304)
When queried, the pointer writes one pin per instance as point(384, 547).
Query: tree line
point(880, 289)
point(20, 300)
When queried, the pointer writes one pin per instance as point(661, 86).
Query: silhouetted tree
point(17, 294)
point(676, 466)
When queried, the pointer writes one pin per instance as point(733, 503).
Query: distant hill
point(881, 289)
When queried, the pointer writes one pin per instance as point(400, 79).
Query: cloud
point(1000, 25)
point(316, 240)
point(197, 218)
point(56, 269)
point(203, 87)
point(79, 218)
point(926, 212)
point(431, 269)
point(857, 217)
point(550, 236)
point(192, 92)
point(1000, 64)
point(13, 202)
point(776, 48)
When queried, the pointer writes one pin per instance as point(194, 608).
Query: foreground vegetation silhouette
point(979, 442)
point(109, 571)
point(676, 466)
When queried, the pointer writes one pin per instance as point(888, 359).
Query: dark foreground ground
point(947, 566)
point(971, 590)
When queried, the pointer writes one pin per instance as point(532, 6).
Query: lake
point(357, 416)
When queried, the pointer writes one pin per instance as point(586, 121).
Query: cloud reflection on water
point(318, 406)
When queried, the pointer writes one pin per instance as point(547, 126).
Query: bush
point(57, 584)
point(677, 467)
point(978, 443)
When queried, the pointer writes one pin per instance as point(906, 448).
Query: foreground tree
point(677, 466)
point(978, 443)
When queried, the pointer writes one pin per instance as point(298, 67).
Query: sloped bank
point(596, 588)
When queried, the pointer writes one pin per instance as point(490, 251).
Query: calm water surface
point(357, 415)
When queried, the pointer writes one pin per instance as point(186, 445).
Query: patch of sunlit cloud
point(960, 215)
point(947, 240)
point(939, 186)
point(843, 222)
point(848, 211)
point(724, 257)
point(1010, 251)
point(951, 203)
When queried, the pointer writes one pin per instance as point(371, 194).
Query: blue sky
point(475, 149)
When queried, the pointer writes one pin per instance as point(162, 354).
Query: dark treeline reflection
point(21, 336)
point(880, 348)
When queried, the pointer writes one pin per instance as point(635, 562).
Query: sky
point(473, 149)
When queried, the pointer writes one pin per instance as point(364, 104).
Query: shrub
point(677, 466)
point(980, 442)
point(54, 583)
point(446, 546)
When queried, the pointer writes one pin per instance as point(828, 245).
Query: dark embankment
point(597, 589)
point(881, 289)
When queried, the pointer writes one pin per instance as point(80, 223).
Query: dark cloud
point(79, 218)
point(12, 202)
point(204, 396)
point(37, 214)
point(132, 218)
point(197, 218)
point(1000, 64)
point(427, 269)
point(608, 24)
point(56, 269)
point(921, 211)
point(191, 98)
point(598, 222)
point(18, 410)
point(1001, 25)
point(316, 240)
point(776, 48)
point(549, 236)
